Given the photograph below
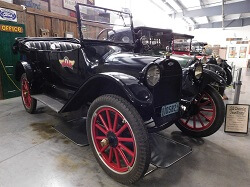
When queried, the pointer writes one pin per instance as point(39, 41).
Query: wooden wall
point(57, 24)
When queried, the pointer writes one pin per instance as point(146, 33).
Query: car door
point(64, 62)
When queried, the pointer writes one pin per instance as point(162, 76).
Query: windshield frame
point(79, 21)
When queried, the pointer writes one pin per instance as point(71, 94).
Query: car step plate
point(166, 152)
point(74, 130)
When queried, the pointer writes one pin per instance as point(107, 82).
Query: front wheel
point(118, 138)
point(205, 115)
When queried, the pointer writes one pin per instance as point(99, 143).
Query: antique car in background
point(122, 90)
point(186, 57)
point(198, 48)
point(192, 50)
point(202, 106)
point(181, 44)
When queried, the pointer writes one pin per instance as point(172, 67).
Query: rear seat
point(46, 45)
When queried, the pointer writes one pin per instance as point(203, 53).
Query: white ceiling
point(188, 5)
point(160, 13)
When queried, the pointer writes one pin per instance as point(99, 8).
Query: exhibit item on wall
point(8, 1)
point(243, 52)
point(233, 39)
point(40, 5)
point(237, 118)
point(8, 15)
point(232, 52)
point(70, 4)
point(249, 47)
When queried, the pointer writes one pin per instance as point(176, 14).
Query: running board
point(165, 152)
point(74, 130)
point(54, 104)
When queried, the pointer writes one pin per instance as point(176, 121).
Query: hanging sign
point(70, 4)
point(8, 15)
point(237, 118)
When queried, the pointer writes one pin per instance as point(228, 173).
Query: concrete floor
point(34, 154)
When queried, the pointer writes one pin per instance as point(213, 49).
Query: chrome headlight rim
point(146, 77)
point(198, 70)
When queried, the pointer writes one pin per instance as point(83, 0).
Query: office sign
point(10, 28)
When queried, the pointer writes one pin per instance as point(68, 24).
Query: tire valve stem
point(124, 121)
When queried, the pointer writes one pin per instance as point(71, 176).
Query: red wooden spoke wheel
point(204, 116)
point(113, 139)
point(204, 113)
point(26, 93)
point(118, 138)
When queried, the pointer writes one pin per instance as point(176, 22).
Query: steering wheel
point(106, 30)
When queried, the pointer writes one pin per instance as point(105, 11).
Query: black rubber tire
point(219, 119)
point(140, 134)
point(33, 105)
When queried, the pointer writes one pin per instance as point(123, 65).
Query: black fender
point(23, 67)
point(191, 87)
point(217, 69)
point(209, 77)
point(34, 76)
point(121, 84)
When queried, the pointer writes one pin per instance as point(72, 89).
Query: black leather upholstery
point(46, 45)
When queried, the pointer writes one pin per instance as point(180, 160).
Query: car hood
point(131, 59)
point(128, 63)
point(182, 59)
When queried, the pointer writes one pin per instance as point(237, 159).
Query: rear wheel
point(28, 102)
point(205, 115)
point(118, 138)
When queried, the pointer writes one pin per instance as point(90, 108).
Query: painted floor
point(33, 154)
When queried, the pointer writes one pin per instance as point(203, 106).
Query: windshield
point(104, 24)
point(154, 42)
point(182, 44)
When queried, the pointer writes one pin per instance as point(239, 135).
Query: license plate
point(169, 109)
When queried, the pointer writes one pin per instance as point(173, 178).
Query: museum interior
point(124, 93)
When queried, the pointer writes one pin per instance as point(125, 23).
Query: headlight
point(125, 39)
point(198, 70)
point(153, 75)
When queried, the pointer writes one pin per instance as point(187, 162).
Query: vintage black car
point(121, 90)
point(159, 42)
point(128, 95)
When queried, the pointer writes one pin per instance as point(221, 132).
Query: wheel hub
point(25, 93)
point(194, 110)
point(112, 139)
